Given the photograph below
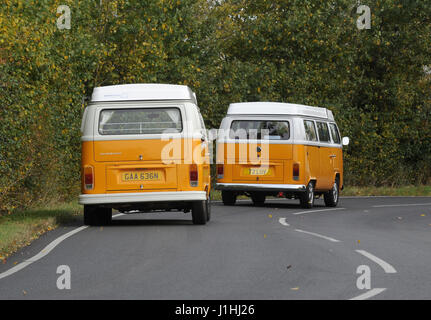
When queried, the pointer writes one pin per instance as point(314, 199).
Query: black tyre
point(258, 198)
point(331, 197)
point(228, 197)
point(307, 198)
point(104, 216)
point(89, 215)
point(96, 216)
point(199, 212)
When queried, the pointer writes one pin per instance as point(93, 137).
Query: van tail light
point(88, 178)
point(220, 171)
point(194, 175)
point(296, 171)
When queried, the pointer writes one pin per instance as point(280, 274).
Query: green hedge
point(227, 51)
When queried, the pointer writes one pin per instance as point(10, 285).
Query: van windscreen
point(140, 121)
point(260, 129)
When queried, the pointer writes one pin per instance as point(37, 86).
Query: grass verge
point(19, 228)
point(368, 191)
point(387, 191)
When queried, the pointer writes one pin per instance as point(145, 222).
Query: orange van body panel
point(315, 163)
point(112, 159)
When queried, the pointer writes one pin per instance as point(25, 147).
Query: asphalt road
point(278, 251)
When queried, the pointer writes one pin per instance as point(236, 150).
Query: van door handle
point(332, 156)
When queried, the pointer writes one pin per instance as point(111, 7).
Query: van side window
point(140, 121)
point(334, 133)
point(310, 130)
point(260, 129)
point(322, 129)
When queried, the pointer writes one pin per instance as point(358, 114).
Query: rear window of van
point(260, 129)
point(140, 121)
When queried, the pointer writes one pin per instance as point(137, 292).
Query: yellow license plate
point(257, 171)
point(141, 176)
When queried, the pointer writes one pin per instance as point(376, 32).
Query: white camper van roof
point(271, 108)
point(141, 91)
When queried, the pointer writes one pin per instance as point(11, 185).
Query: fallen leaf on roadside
point(295, 289)
point(264, 235)
point(422, 215)
point(270, 215)
point(359, 241)
point(24, 292)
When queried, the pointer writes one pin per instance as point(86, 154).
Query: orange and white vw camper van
point(272, 149)
point(144, 147)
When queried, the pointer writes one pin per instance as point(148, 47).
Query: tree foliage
point(299, 51)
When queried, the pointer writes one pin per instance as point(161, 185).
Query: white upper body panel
point(143, 92)
point(277, 108)
point(295, 114)
point(142, 96)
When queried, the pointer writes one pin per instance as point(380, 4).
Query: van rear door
point(131, 141)
point(262, 152)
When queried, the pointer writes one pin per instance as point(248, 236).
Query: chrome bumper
point(259, 187)
point(113, 198)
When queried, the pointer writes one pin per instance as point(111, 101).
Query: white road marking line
point(45, 251)
point(386, 266)
point(283, 222)
point(402, 205)
point(318, 235)
point(321, 210)
point(42, 253)
point(369, 294)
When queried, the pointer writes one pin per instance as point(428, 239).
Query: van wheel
point(331, 197)
point(258, 198)
point(228, 198)
point(104, 217)
point(96, 216)
point(307, 198)
point(89, 215)
point(199, 212)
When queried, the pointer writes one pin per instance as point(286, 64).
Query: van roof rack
point(271, 108)
point(143, 92)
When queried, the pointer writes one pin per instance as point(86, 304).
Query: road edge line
point(45, 251)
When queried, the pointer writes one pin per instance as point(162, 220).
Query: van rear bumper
point(259, 187)
point(114, 198)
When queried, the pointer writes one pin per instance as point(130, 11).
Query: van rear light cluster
point(220, 171)
point(88, 178)
point(194, 176)
point(296, 171)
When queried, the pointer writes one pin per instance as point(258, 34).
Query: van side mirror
point(345, 141)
